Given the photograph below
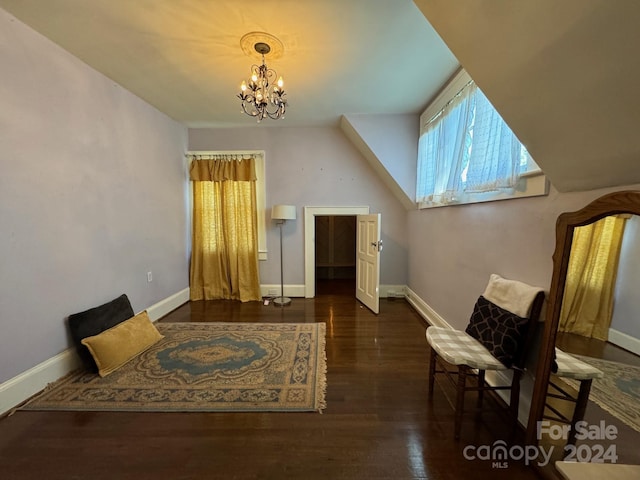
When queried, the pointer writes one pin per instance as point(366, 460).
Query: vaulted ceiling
point(561, 73)
point(185, 58)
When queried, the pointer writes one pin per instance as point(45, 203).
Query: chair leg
point(514, 401)
point(462, 377)
point(581, 407)
point(432, 371)
point(481, 388)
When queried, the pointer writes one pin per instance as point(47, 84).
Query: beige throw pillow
point(116, 346)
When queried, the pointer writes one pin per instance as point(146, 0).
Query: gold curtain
point(224, 257)
point(587, 305)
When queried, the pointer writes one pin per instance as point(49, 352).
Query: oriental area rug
point(617, 392)
point(207, 367)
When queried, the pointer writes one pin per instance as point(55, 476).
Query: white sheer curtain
point(494, 162)
point(442, 151)
point(467, 148)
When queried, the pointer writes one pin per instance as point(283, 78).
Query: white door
point(368, 247)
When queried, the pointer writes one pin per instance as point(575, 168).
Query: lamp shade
point(283, 212)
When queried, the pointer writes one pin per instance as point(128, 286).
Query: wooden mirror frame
point(611, 204)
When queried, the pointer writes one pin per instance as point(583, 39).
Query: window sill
point(531, 184)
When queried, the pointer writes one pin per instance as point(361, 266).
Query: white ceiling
point(184, 56)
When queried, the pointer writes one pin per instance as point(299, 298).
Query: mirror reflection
point(599, 326)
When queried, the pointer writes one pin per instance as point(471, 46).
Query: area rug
point(617, 392)
point(207, 367)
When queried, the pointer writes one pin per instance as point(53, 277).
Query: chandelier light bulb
point(280, 82)
point(243, 87)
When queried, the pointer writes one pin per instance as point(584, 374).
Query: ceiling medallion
point(248, 41)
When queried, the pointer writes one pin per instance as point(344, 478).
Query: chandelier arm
point(248, 99)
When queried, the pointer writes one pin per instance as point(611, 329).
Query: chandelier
point(262, 95)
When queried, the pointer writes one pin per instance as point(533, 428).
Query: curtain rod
point(439, 112)
point(220, 156)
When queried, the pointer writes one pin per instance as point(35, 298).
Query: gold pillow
point(116, 346)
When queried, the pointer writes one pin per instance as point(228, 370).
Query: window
point(467, 153)
point(260, 191)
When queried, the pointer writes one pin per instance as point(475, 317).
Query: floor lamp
point(282, 213)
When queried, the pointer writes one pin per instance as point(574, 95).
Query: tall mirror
point(593, 314)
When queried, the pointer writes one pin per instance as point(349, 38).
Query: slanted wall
point(390, 144)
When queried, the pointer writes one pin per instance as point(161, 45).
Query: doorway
point(335, 254)
point(310, 240)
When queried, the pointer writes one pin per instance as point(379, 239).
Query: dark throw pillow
point(96, 320)
point(500, 331)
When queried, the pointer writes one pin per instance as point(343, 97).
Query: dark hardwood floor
point(378, 424)
point(592, 347)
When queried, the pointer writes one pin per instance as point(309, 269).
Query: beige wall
point(92, 196)
point(453, 250)
point(314, 167)
point(626, 307)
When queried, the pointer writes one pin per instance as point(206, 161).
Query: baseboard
point(625, 341)
point(19, 388)
point(386, 291)
point(269, 290)
point(163, 307)
point(393, 291)
point(425, 311)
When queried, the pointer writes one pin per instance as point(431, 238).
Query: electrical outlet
point(149, 277)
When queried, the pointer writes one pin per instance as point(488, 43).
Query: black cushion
point(96, 320)
point(500, 331)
